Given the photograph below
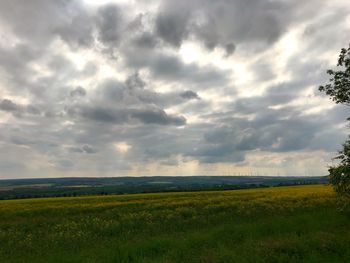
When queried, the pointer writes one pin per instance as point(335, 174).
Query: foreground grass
point(284, 224)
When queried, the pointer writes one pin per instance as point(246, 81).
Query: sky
point(200, 87)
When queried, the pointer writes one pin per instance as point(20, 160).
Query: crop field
point(279, 224)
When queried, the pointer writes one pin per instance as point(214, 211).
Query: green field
point(280, 224)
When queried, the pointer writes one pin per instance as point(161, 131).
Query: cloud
point(146, 40)
point(16, 109)
point(195, 85)
point(66, 19)
point(222, 23)
point(171, 68)
point(109, 21)
point(77, 30)
point(230, 48)
point(101, 114)
point(8, 105)
point(128, 102)
point(172, 20)
point(276, 130)
point(64, 164)
point(78, 92)
point(189, 94)
point(156, 116)
point(145, 116)
point(83, 149)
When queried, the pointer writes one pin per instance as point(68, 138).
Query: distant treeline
point(69, 187)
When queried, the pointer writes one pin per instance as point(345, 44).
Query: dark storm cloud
point(172, 68)
point(172, 22)
point(129, 102)
point(88, 149)
point(213, 153)
point(157, 116)
point(109, 23)
point(8, 105)
point(78, 92)
point(101, 114)
point(123, 116)
point(189, 94)
point(135, 92)
point(223, 23)
point(283, 130)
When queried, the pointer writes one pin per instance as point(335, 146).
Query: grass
point(281, 224)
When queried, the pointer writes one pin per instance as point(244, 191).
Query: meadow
point(276, 224)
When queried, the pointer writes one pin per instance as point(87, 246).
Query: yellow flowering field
point(276, 224)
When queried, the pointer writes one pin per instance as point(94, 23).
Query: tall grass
point(284, 224)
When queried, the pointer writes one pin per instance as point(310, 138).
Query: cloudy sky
point(200, 87)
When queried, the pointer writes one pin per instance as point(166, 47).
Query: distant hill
point(44, 187)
